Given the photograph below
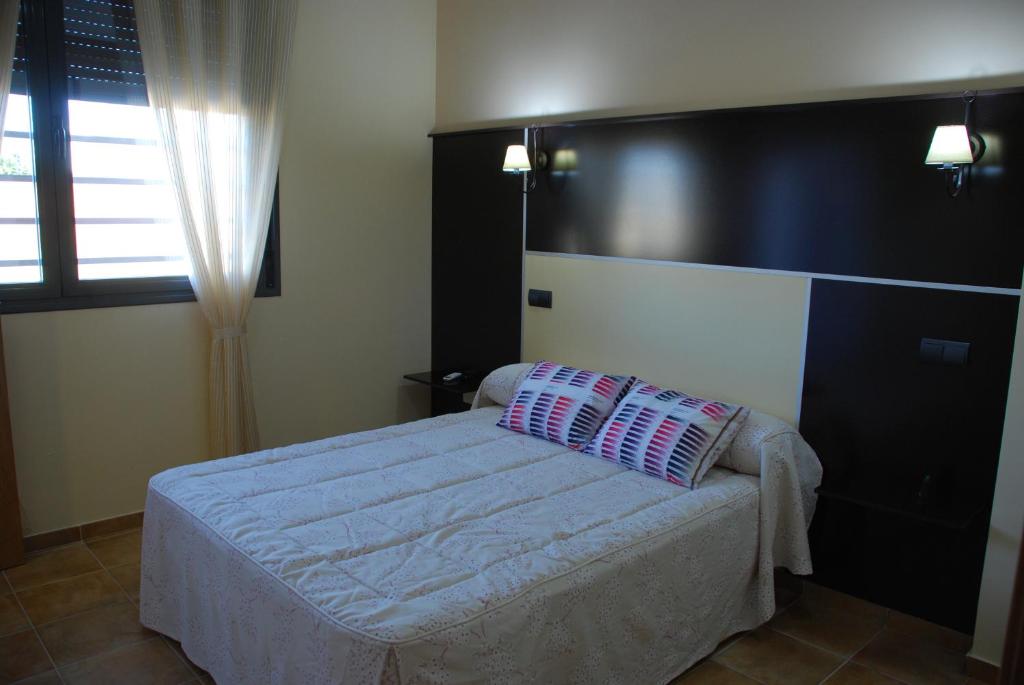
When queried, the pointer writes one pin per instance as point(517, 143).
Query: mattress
point(450, 550)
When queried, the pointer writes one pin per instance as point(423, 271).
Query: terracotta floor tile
point(940, 636)
point(788, 588)
point(828, 627)
point(775, 659)
point(57, 564)
point(128, 576)
point(21, 656)
point(817, 595)
point(147, 663)
point(93, 632)
point(48, 678)
point(176, 646)
point(12, 619)
point(912, 660)
point(119, 549)
point(711, 673)
point(66, 597)
point(784, 598)
point(729, 642)
point(854, 674)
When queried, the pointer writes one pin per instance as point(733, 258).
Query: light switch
point(539, 298)
point(949, 352)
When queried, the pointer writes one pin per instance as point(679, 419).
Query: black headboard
point(836, 193)
point(835, 188)
point(476, 255)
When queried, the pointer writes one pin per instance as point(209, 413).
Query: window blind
point(102, 57)
point(19, 80)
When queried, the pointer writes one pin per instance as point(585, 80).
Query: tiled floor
point(70, 615)
point(821, 636)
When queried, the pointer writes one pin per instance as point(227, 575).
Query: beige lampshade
point(950, 145)
point(516, 160)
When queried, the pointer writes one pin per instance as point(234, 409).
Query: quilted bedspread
point(450, 550)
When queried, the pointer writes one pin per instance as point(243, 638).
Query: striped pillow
point(563, 404)
point(667, 434)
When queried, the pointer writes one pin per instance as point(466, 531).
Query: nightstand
point(926, 537)
point(445, 398)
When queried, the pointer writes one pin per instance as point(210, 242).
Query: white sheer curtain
point(8, 36)
point(215, 71)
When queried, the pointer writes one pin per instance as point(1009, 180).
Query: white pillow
point(500, 385)
point(744, 454)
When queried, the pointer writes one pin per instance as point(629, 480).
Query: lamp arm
point(540, 161)
point(969, 97)
point(955, 181)
point(976, 141)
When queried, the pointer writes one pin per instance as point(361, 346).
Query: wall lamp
point(517, 161)
point(955, 148)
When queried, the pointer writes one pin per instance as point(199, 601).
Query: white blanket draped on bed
point(451, 550)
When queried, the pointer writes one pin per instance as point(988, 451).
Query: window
point(20, 252)
point(87, 213)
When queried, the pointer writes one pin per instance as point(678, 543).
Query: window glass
point(88, 216)
point(20, 255)
point(124, 214)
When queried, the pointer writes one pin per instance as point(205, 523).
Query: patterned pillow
point(563, 404)
point(667, 434)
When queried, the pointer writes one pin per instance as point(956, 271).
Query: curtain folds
point(8, 37)
point(216, 72)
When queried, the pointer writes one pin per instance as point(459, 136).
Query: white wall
point(537, 60)
point(504, 61)
point(1004, 536)
point(103, 399)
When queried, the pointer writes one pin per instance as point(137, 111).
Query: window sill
point(53, 304)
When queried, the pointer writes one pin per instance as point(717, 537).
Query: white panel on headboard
point(724, 335)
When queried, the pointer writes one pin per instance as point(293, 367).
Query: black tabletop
point(466, 383)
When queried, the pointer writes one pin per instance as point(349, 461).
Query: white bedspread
point(450, 550)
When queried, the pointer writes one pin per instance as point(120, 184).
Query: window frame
point(61, 288)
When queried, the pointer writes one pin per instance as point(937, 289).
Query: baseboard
point(982, 670)
point(86, 531)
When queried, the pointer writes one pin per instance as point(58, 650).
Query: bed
point(450, 550)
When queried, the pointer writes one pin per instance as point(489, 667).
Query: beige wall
point(730, 336)
point(329, 355)
point(103, 399)
point(503, 61)
point(537, 60)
